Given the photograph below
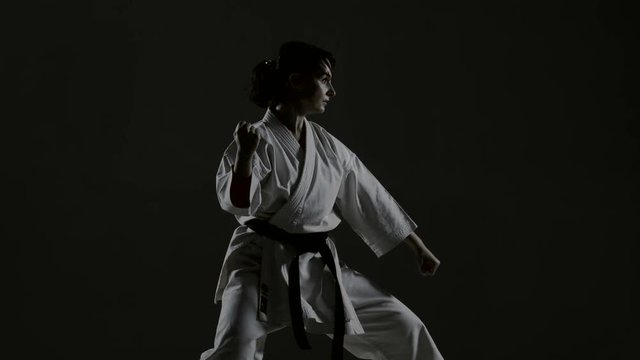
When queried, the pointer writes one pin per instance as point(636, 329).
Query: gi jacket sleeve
point(370, 210)
point(260, 169)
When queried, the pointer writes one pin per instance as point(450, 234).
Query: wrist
point(415, 243)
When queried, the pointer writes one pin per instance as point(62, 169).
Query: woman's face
point(318, 91)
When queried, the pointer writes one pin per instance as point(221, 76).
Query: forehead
point(325, 68)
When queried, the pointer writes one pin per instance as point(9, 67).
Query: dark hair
point(269, 78)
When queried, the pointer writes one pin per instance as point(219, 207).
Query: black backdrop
point(507, 130)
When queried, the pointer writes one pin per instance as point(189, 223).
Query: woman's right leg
point(239, 334)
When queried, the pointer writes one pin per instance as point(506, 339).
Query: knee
point(407, 322)
point(412, 324)
point(418, 335)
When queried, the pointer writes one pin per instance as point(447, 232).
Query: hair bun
point(269, 66)
point(271, 63)
point(263, 81)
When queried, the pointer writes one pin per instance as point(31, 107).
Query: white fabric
point(300, 190)
point(391, 330)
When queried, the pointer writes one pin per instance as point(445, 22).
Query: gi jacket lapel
point(273, 303)
point(288, 216)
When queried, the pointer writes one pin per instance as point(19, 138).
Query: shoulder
point(332, 143)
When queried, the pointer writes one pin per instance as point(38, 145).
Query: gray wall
point(508, 131)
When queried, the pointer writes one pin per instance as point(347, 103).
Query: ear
point(296, 81)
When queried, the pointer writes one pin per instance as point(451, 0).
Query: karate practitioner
point(289, 182)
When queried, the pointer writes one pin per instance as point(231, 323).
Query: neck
point(289, 117)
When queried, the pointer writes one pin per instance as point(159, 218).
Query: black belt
point(303, 243)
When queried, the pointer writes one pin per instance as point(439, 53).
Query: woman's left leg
point(392, 330)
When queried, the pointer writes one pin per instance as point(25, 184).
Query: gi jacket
point(303, 190)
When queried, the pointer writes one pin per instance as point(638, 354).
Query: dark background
point(507, 130)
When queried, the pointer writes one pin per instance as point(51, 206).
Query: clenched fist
point(427, 262)
point(247, 138)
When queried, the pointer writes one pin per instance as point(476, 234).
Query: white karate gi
point(310, 190)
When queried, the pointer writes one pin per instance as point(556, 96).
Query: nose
point(331, 92)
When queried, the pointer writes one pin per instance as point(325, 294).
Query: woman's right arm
point(241, 180)
point(247, 140)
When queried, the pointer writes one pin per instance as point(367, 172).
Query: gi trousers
point(392, 331)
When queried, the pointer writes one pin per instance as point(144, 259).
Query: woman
point(288, 182)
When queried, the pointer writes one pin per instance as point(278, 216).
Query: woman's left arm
point(427, 262)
